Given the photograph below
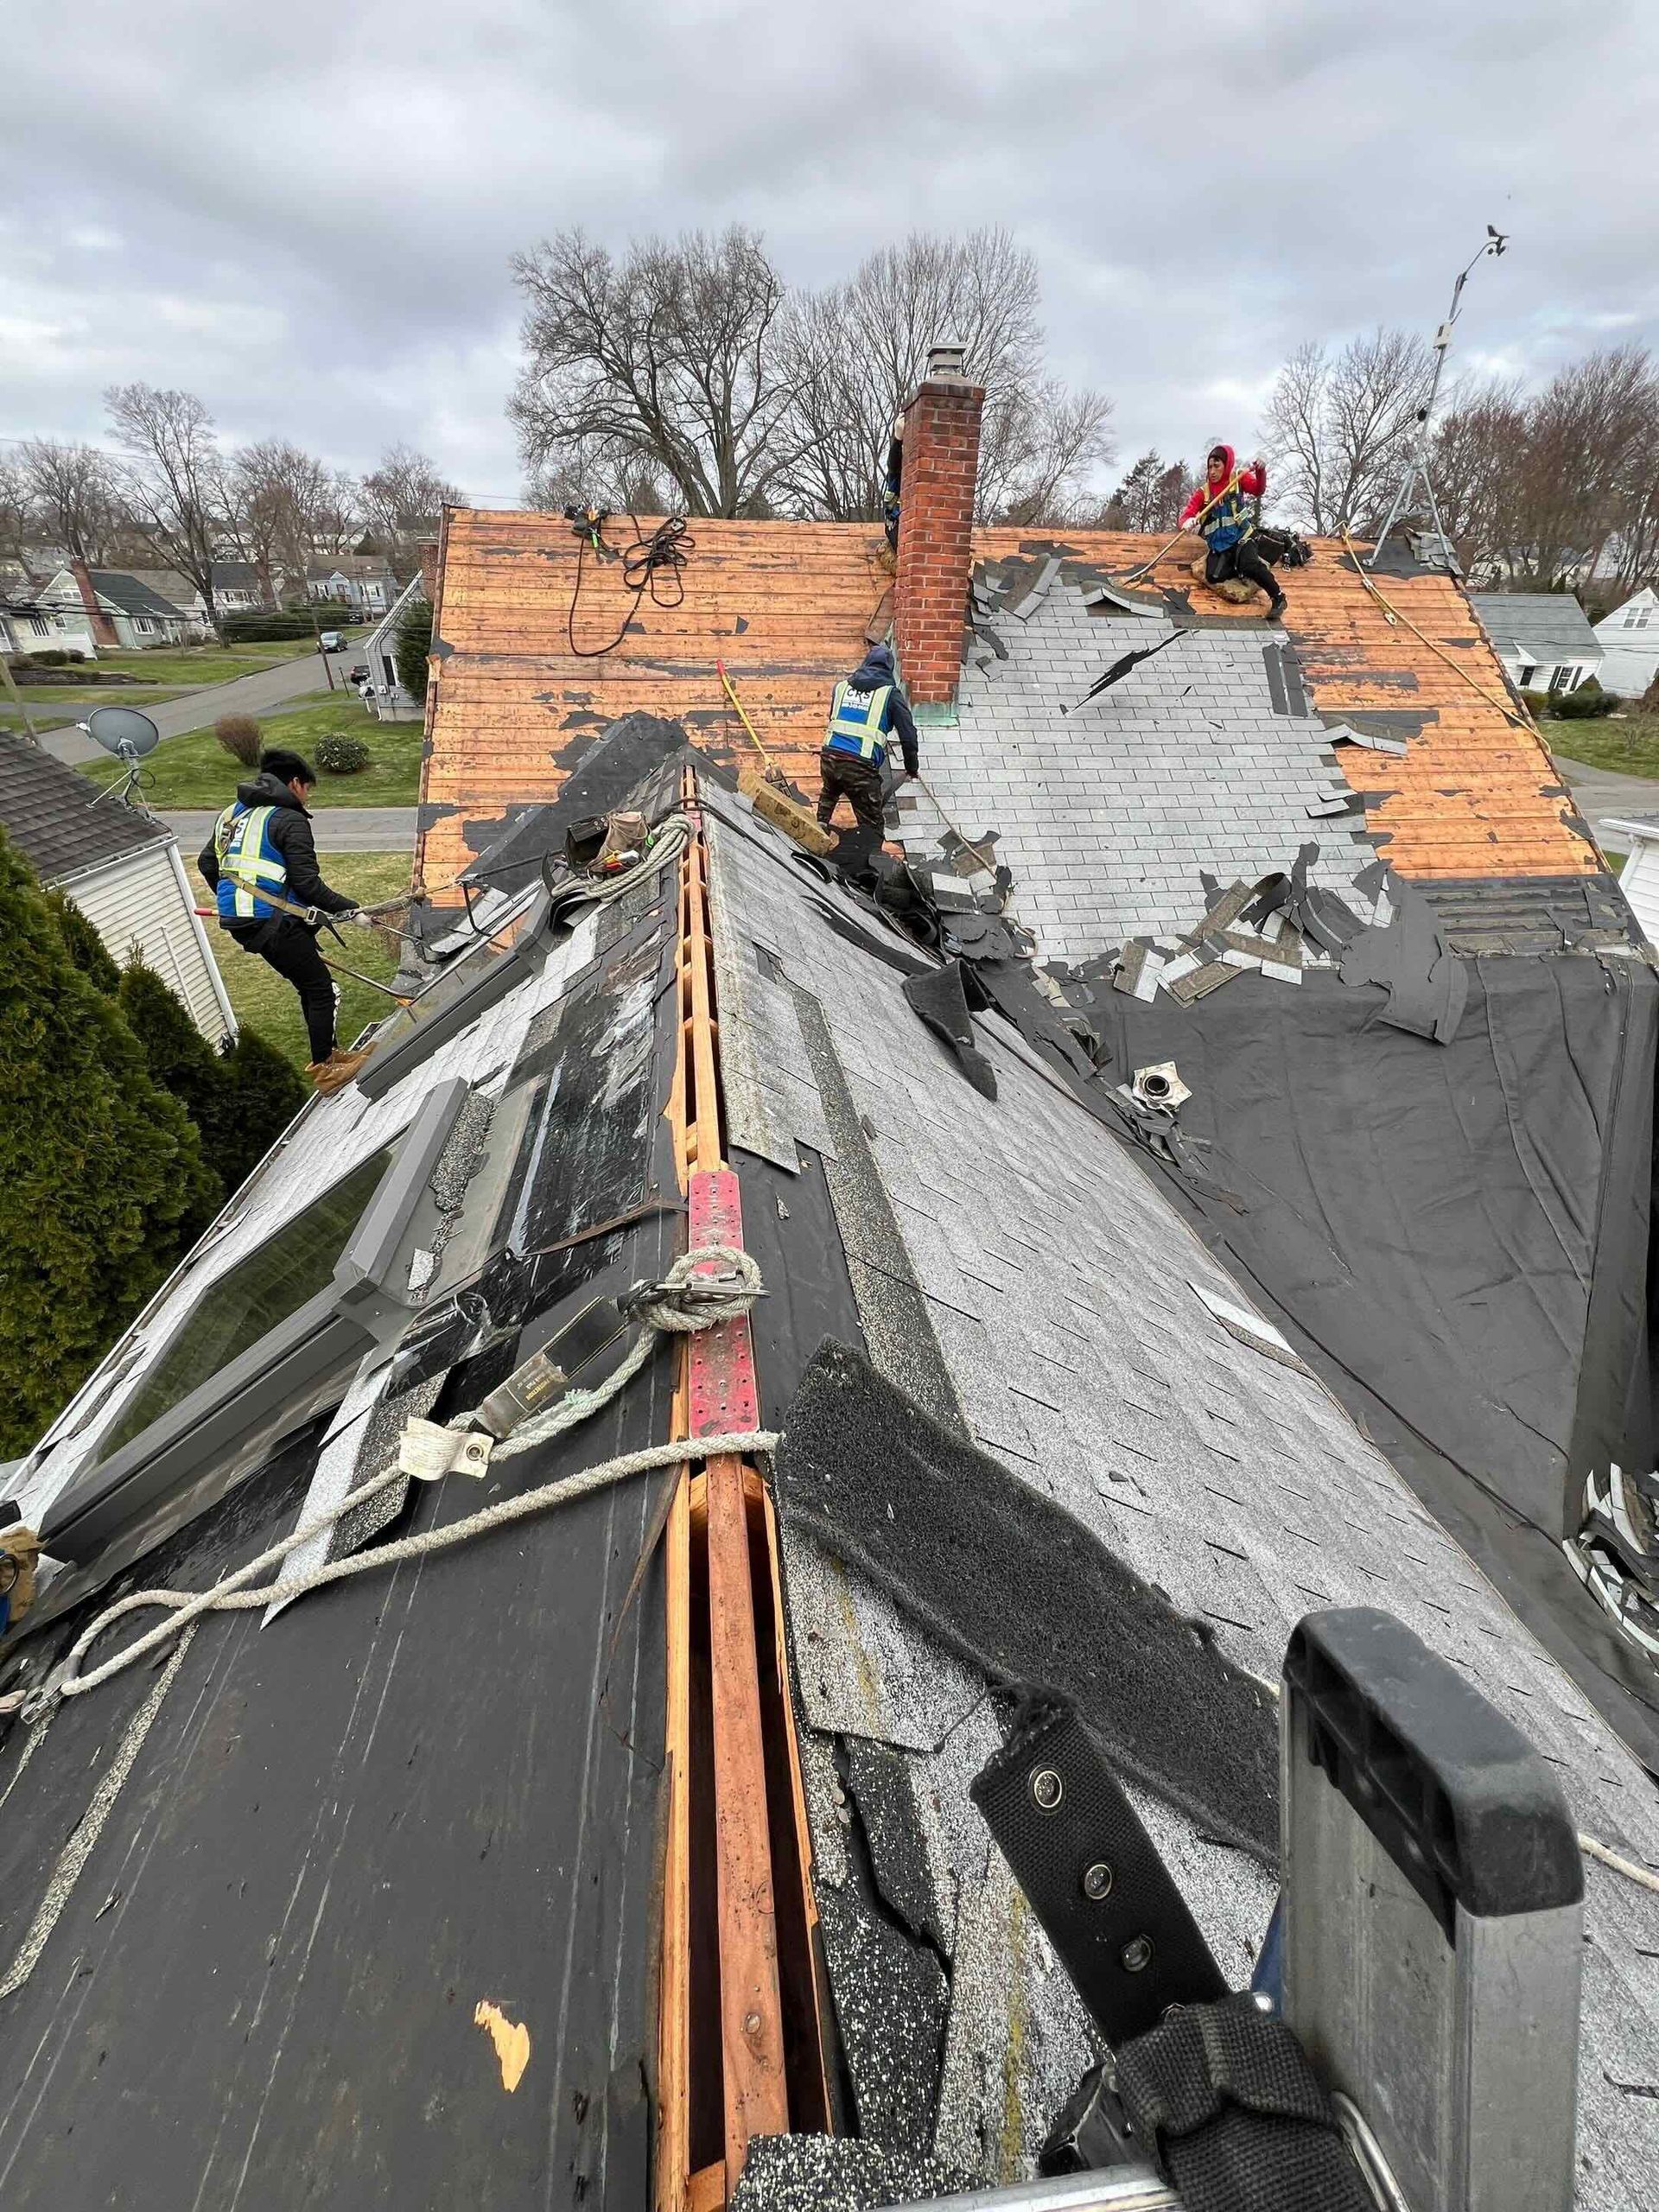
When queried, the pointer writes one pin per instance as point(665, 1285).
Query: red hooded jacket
point(1252, 482)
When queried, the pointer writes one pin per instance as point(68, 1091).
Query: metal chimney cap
point(948, 360)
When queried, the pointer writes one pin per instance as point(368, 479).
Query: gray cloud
point(316, 238)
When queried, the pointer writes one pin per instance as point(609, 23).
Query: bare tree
point(582, 476)
point(1589, 446)
point(1038, 450)
point(1474, 459)
point(856, 352)
point(72, 490)
point(671, 358)
point(404, 498)
point(288, 507)
point(1338, 426)
point(174, 485)
point(17, 511)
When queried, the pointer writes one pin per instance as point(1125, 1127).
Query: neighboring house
point(385, 693)
point(363, 580)
point(1543, 638)
point(121, 867)
point(1639, 877)
point(1630, 644)
point(237, 590)
point(29, 623)
point(139, 614)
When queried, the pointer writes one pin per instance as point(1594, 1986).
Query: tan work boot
point(336, 1071)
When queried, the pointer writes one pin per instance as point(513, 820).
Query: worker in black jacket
point(262, 843)
point(867, 710)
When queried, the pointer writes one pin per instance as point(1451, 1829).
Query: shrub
point(413, 648)
point(264, 1092)
point(342, 753)
point(54, 657)
point(84, 946)
point(239, 735)
point(102, 1180)
point(1585, 704)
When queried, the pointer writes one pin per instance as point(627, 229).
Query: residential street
point(1600, 793)
point(248, 695)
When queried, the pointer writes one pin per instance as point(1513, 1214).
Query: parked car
point(358, 673)
point(332, 641)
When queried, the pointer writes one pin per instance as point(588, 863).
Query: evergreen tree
point(413, 646)
point(265, 1092)
point(86, 948)
point(240, 1102)
point(102, 1180)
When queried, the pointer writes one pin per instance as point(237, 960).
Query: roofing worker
point(866, 710)
point(1217, 511)
point(263, 843)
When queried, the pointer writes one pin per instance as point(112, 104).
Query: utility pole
point(1416, 468)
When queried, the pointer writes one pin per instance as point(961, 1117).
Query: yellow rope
point(731, 693)
point(1393, 615)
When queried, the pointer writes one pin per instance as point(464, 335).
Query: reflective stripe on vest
point(1227, 522)
point(855, 722)
point(248, 862)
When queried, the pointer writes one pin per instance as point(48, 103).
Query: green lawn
point(1627, 747)
point(196, 771)
point(192, 664)
point(263, 1002)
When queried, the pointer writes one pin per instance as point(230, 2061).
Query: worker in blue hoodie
point(867, 712)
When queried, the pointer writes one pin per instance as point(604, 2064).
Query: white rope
point(670, 1311)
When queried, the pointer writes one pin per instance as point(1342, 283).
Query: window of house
point(1527, 675)
point(1560, 679)
point(143, 624)
point(39, 626)
point(1636, 617)
point(296, 1264)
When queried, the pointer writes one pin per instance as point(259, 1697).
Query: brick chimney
point(936, 524)
point(103, 628)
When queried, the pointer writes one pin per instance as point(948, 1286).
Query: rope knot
point(685, 1301)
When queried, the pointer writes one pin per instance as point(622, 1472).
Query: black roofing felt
point(1457, 1237)
point(433, 1789)
point(57, 819)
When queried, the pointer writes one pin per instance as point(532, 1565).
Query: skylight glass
point(232, 1313)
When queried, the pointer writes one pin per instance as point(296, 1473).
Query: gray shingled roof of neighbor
point(57, 818)
point(1207, 757)
point(1540, 625)
point(130, 594)
point(1016, 1249)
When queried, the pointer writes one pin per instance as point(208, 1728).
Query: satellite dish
point(122, 731)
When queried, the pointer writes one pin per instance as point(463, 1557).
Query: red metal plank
point(720, 1366)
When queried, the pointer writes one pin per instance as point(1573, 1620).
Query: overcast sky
point(303, 211)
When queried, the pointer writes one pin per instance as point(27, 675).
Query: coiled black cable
point(645, 563)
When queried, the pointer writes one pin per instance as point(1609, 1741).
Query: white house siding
point(390, 701)
point(1639, 881)
point(1551, 676)
point(1630, 638)
point(142, 901)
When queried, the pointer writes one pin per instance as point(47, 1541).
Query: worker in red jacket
point(1216, 510)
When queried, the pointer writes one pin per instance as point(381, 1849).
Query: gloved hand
point(360, 920)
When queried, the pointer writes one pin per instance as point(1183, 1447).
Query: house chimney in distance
point(935, 526)
point(103, 629)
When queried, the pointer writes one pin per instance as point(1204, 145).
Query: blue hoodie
point(872, 673)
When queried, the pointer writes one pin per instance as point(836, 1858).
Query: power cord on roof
point(681, 1304)
point(645, 565)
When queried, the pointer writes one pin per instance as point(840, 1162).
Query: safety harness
point(250, 864)
point(856, 722)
